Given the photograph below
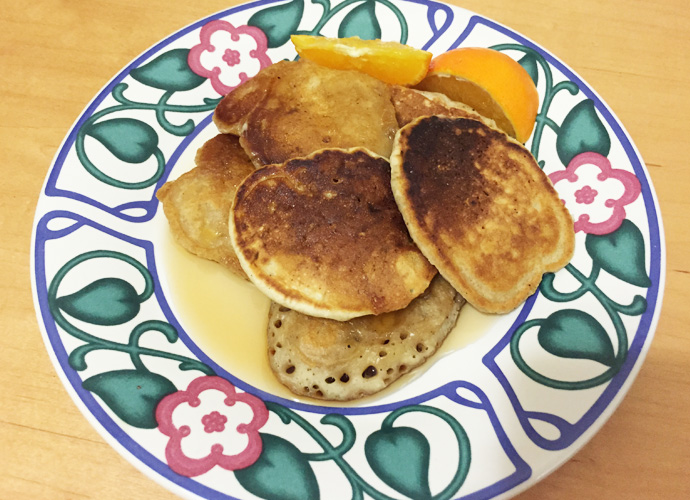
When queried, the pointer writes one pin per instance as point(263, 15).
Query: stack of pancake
point(369, 214)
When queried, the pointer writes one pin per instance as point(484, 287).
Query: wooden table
point(56, 55)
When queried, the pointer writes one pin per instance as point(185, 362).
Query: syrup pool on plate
point(227, 318)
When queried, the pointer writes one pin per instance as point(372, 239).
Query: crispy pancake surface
point(410, 104)
point(480, 209)
point(197, 204)
point(292, 109)
point(344, 360)
point(323, 235)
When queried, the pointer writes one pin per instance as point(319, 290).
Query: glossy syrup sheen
point(227, 318)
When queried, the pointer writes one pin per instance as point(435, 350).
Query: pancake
point(480, 209)
point(322, 235)
point(344, 360)
point(197, 204)
point(410, 104)
point(292, 109)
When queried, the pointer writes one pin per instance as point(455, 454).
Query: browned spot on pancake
point(329, 227)
point(350, 200)
point(442, 166)
point(480, 208)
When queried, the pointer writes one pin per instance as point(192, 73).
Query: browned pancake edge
point(411, 104)
point(197, 204)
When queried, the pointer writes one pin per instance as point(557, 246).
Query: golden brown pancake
point(411, 104)
point(292, 109)
point(322, 235)
point(344, 360)
point(480, 209)
point(197, 204)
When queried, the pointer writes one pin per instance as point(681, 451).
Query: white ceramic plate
point(164, 352)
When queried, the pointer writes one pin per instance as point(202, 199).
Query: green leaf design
point(169, 71)
point(361, 21)
point(400, 457)
point(621, 253)
point(282, 472)
point(127, 139)
point(529, 62)
point(278, 22)
point(571, 333)
point(132, 395)
point(582, 131)
point(107, 301)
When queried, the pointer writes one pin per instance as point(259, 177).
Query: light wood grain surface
point(56, 55)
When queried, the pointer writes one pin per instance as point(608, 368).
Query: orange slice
point(489, 81)
point(390, 62)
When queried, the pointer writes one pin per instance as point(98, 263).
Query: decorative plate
point(165, 353)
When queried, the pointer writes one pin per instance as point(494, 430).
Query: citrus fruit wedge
point(390, 62)
point(491, 82)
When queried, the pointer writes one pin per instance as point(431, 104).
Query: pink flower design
point(221, 49)
point(214, 422)
point(227, 435)
point(585, 195)
point(601, 210)
point(231, 57)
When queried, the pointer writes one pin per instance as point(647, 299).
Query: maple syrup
point(226, 317)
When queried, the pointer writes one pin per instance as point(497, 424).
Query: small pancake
point(322, 235)
point(411, 104)
point(480, 209)
point(292, 109)
point(197, 204)
point(345, 360)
